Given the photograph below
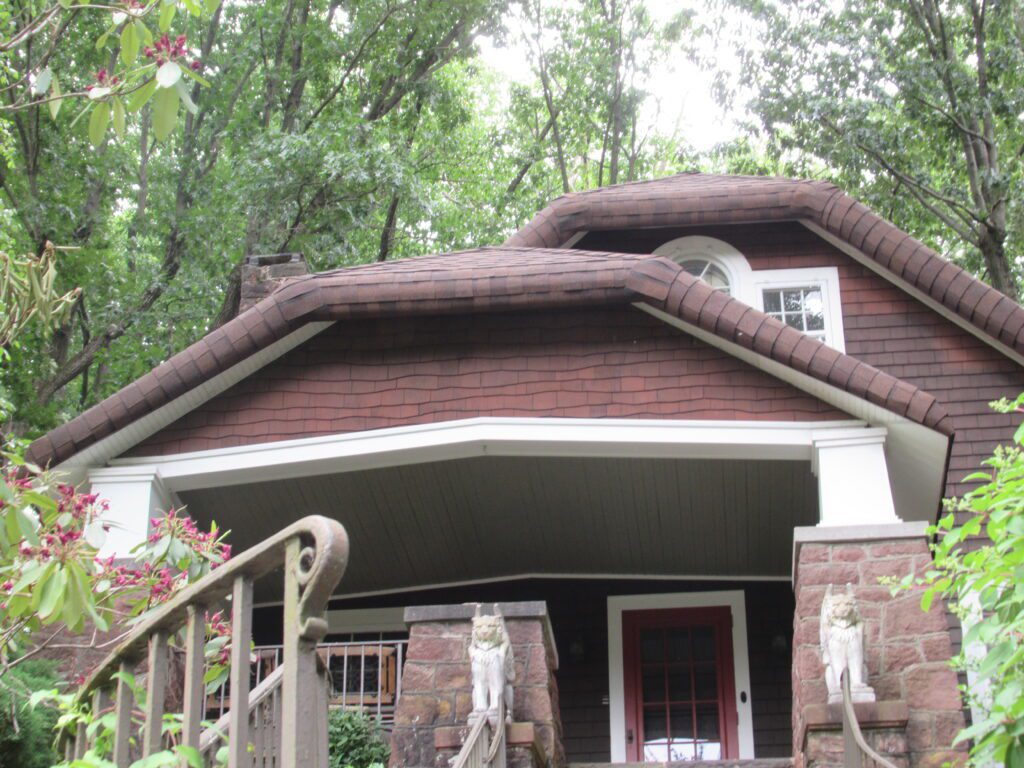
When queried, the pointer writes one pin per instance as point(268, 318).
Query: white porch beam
point(490, 436)
point(853, 478)
point(136, 495)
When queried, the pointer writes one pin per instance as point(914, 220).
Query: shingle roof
point(691, 199)
point(484, 280)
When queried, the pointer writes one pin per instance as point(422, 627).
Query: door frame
point(732, 599)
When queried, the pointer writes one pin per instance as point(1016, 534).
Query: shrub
point(29, 743)
point(355, 740)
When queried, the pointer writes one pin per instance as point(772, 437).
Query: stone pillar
point(262, 275)
point(430, 717)
point(919, 709)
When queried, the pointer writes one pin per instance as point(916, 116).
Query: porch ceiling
point(492, 517)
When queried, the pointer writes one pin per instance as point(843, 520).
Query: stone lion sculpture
point(842, 646)
point(490, 652)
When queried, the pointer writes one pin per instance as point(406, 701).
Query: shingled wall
point(614, 362)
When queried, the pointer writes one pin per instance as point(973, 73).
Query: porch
point(596, 519)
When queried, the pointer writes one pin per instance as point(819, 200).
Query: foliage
point(26, 734)
point(912, 106)
point(139, 67)
point(27, 294)
point(355, 740)
point(979, 571)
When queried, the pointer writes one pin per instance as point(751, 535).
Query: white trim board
point(734, 599)
point(487, 436)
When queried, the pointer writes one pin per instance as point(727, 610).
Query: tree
point(914, 105)
point(979, 572)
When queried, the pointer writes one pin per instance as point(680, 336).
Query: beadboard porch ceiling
point(493, 517)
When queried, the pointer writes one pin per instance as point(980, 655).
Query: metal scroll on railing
point(484, 747)
point(314, 553)
point(855, 746)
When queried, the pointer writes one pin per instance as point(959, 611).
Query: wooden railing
point(314, 553)
point(855, 746)
point(484, 747)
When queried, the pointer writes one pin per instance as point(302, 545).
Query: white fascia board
point(101, 452)
point(861, 258)
point(916, 455)
point(491, 436)
point(736, 602)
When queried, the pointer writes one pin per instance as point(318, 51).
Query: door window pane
point(703, 644)
point(705, 682)
point(677, 642)
point(653, 683)
point(652, 645)
point(679, 684)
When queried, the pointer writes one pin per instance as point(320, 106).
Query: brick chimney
point(262, 275)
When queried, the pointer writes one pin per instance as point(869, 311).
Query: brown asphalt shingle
point(514, 277)
point(692, 199)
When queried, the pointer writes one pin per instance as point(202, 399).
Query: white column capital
point(853, 477)
point(135, 495)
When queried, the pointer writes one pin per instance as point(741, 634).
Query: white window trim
point(748, 286)
point(824, 278)
point(732, 599)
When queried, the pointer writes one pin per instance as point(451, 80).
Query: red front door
point(679, 685)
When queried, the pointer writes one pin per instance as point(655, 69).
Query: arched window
point(804, 298)
point(714, 261)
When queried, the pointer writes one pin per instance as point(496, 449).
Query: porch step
point(766, 762)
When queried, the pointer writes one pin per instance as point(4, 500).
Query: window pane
point(813, 301)
point(703, 643)
point(707, 271)
point(707, 721)
point(772, 301)
point(682, 722)
point(655, 726)
point(795, 321)
point(651, 645)
point(678, 642)
point(679, 684)
point(705, 682)
point(793, 300)
point(815, 321)
point(653, 684)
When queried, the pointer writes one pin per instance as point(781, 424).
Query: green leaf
point(191, 755)
point(189, 105)
point(101, 42)
point(52, 594)
point(211, 6)
point(98, 123)
point(157, 760)
point(129, 44)
point(143, 32)
point(141, 96)
point(197, 77)
point(165, 113)
point(42, 82)
point(167, 11)
point(168, 74)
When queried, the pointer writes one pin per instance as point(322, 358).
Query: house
point(674, 411)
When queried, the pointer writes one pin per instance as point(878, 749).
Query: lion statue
point(842, 646)
point(490, 652)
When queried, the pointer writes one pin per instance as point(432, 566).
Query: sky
point(682, 99)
